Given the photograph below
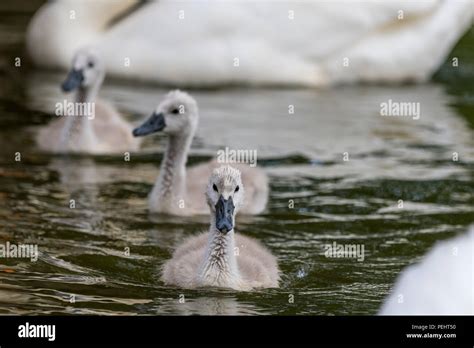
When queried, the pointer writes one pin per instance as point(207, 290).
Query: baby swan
point(219, 258)
point(87, 125)
point(177, 191)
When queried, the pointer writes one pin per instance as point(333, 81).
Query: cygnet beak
point(155, 123)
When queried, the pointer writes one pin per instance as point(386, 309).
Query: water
point(353, 202)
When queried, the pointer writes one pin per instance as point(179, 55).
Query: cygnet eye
point(175, 111)
point(237, 188)
point(214, 187)
point(90, 64)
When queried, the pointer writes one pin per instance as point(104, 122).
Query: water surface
point(348, 202)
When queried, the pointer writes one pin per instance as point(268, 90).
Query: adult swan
point(214, 43)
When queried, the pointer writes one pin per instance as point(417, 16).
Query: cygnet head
point(87, 70)
point(225, 195)
point(177, 114)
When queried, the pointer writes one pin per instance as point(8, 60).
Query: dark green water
point(349, 202)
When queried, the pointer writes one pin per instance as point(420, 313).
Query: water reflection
point(355, 201)
point(216, 305)
point(325, 123)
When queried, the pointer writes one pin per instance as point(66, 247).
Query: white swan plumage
point(310, 43)
point(442, 283)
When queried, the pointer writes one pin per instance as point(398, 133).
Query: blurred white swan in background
point(441, 284)
point(290, 43)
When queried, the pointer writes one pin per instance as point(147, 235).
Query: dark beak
point(73, 80)
point(155, 123)
point(224, 214)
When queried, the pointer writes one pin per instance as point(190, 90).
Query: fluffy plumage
point(103, 132)
point(178, 191)
point(222, 259)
